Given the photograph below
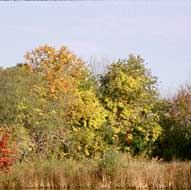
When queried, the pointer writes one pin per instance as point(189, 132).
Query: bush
point(110, 162)
point(6, 155)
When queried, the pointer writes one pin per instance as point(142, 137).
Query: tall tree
point(129, 93)
point(68, 85)
point(175, 119)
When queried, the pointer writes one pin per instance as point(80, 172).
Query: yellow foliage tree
point(67, 84)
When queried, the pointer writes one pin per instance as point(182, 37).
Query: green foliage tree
point(175, 119)
point(15, 86)
point(128, 92)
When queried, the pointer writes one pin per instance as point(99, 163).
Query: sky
point(158, 30)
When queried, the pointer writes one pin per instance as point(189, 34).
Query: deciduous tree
point(129, 93)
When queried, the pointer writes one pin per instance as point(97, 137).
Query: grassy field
point(112, 171)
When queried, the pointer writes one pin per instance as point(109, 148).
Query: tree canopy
point(129, 94)
point(53, 106)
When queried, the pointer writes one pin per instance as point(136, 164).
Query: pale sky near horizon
point(160, 31)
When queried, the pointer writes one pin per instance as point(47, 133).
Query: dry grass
point(120, 173)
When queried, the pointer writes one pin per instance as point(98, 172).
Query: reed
point(113, 171)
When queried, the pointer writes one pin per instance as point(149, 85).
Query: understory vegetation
point(63, 126)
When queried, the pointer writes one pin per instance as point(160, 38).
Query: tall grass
point(113, 171)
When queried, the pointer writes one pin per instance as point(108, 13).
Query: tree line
point(53, 106)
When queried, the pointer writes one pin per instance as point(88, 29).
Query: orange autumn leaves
point(61, 69)
point(65, 90)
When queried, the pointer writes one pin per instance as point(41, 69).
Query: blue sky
point(160, 31)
